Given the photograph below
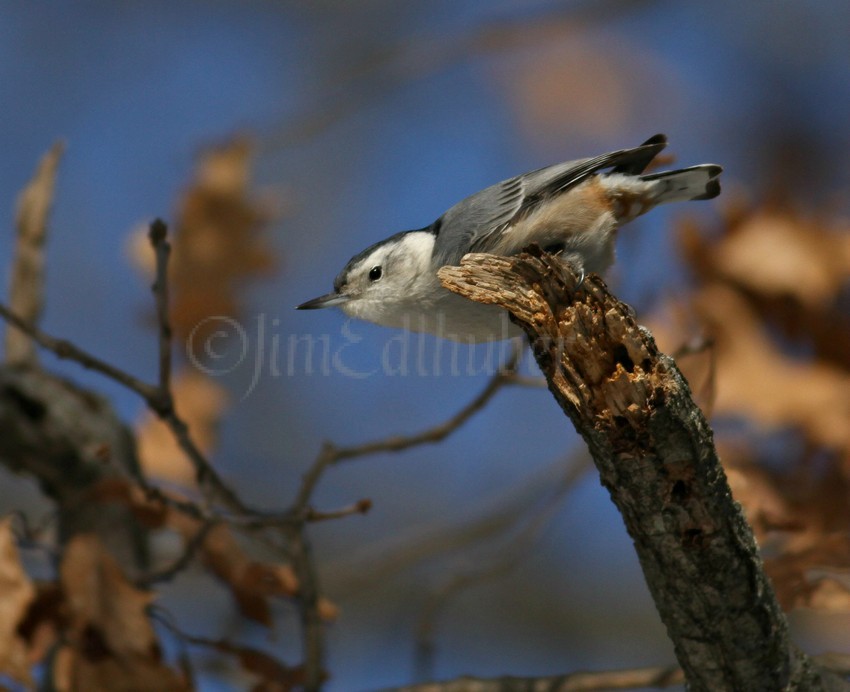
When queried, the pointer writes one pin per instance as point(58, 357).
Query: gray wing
point(473, 224)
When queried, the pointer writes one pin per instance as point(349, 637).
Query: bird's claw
point(581, 277)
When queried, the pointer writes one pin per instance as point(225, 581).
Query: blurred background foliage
point(279, 138)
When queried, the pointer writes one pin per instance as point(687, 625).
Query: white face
point(385, 281)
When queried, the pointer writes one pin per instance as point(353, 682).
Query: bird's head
point(380, 281)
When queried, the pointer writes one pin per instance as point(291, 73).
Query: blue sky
point(136, 90)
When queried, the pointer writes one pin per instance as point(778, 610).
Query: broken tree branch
point(158, 397)
point(655, 455)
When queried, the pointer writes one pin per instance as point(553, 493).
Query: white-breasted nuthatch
point(572, 208)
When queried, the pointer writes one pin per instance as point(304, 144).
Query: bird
point(571, 209)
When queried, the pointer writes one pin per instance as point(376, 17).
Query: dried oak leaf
point(251, 582)
point(792, 268)
point(201, 403)
point(775, 252)
point(274, 675)
point(111, 642)
point(817, 578)
point(217, 245)
point(75, 670)
point(16, 594)
point(44, 622)
point(543, 84)
point(801, 518)
point(153, 514)
point(766, 507)
point(756, 380)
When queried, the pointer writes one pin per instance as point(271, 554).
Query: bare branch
point(301, 555)
point(654, 451)
point(359, 507)
point(398, 552)
point(332, 454)
point(158, 402)
point(602, 681)
point(158, 398)
point(162, 249)
point(355, 84)
point(26, 292)
point(190, 550)
point(68, 351)
point(312, 627)
point(591, 681)
point(504, 559)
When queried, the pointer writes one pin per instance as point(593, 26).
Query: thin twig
point(158, 398)
point(517, 380)
point(206, 475)
point(190, 550)
point(377, 564)
point(251, 659)
point(505, 559)
point(359, 507)
point(163, 403)
point(331, 454)
point(595, 681)
point(313, 631)
point(257, 519)
point(162, 250)
point(68, 351)
point(29, 536)
point(658, 677)
point(312, 634)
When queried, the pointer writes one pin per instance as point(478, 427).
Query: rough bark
point(655, 455)
point(69, 440)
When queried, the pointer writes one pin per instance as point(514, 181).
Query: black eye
point(375, 273)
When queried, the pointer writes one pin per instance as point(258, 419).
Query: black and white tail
point(696, 182)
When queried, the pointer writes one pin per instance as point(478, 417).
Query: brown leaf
point(251, 582)
point(789, 266)
point(152, 514)
point(99, 598)
point(26, 289)
point(801, 516)
point(328, 610)
point(201, 403)
point(74, 670)
point(111, 642)
point(816, 577)
point(217, 243)
point(16, 594)
point(778, 252)
point(553, 100)
point(756, 380)
point(44, 621)
point(771, 272)
point(275, 676)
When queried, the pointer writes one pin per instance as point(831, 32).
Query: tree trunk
point(655, 454)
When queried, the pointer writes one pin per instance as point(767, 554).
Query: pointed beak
point(326, 301)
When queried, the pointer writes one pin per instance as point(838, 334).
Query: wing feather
point(473, 225)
